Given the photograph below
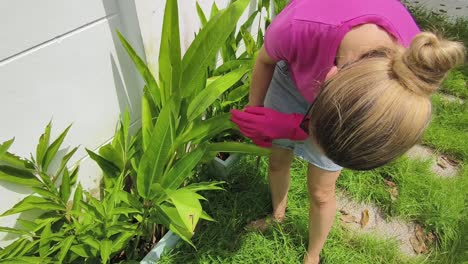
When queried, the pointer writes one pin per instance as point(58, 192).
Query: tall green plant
point(175, 135)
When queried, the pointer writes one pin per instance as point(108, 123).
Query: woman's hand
point(265, 124)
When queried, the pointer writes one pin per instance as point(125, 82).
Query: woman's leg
point(279, 177)
point(321, 186)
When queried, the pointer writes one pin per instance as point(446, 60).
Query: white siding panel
point(71, 80)
point(28, 23)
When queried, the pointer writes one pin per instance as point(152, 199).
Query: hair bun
point(422, 67)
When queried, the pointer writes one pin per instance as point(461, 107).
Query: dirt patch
point(441, 165)
point(368, 218)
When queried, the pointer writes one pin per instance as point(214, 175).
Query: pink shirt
point(307, 34)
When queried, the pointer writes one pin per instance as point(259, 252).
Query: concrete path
point(452, 8)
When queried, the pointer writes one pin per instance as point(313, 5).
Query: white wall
point(151, 14)
point(61, 60)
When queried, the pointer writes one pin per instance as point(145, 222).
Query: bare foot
point(263, 224)
point(308, 259)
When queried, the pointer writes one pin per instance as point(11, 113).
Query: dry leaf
point(364, 218)
point(419, 233)
point(344, 212)
point(390, 183)
point(430, 238)
point(347, 218)
point(393, 193)
point(450, 161)
point(418, 246)
point(442, 163)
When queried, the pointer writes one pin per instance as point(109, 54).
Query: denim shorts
point(284, 97)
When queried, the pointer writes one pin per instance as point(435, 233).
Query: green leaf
point(207, 129)
point(231, 65)
point(114, 156)
point(214, 10)
point(44, 242)
point(206, 217)
point(170, 218)
point(247, 25)
point(65, 187)
point(248, 41)
point(239, 148)
point(237, 94)
point(144, 71)
point(187, 205)
point(53, 148)
point(109, 168)
point(18, 176)
point(74, 175)
point(28, 225)
point(5, 146)
point(169, 52)
point(201, 15)
point(65, 247)
point(106, 247)
point(25, 260)
point(124, 210)
point(15, 161)
point(91, 241)
point(204, 186)
point(122, 240)
point(44, 192)
point(14, 231)
point(82, 250)
point(146, 121)
point(153, 162)
point(43, 144)
point(77, 198)
point(34, 202)
point(182, 168)
point(207, 96)
point(207, 43)
point(65, 160)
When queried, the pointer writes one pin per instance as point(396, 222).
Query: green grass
point(456, 82)
point(438, 204)
point(448, 131)
point(246, 199)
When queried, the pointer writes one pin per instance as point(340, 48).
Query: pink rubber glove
point(265, 123)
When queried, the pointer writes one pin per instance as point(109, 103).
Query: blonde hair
point(376, 108)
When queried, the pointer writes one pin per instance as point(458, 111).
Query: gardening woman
point(340, 83)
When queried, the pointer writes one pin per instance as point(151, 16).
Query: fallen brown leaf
point(364, 218)
point(430, 238)
point(450, 161)
point(390, 183)
point(347, 218)
point(393, 193)
point(442, 163)
point(344, 212)
point(419, 233)
point(418, 246)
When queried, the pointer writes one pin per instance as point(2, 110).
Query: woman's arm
point(261, 77)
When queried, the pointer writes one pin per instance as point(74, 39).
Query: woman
point(340, 83)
